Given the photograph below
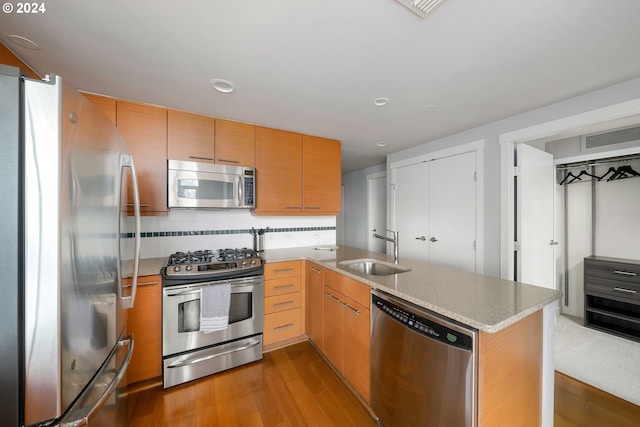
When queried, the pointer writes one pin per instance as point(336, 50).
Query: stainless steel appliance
point(62, 319)
point(208, 185)
point(189, 353)
point(423, 366)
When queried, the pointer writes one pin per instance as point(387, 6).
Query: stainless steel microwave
point(208, 185)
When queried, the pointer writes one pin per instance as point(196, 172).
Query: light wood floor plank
point(295, 387)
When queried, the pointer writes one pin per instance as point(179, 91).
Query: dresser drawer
point(281, 269)
point(613, 288)
point(281, 326)
point(284, 285)
point(281, 302)
point(613, 269)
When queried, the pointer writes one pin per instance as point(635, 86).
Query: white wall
point(190, 230)
point(490, 132)
point(355, 206)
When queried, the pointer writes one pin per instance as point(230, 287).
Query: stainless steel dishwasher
point(423, 366)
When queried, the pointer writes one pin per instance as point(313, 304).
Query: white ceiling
point(315, 66)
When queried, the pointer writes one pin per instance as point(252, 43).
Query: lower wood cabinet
point(145, 323)
point(346, 329)
point(282, 302)
point(314, 303)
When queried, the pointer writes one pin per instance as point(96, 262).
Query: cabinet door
point(144, 128)
point(105, 104)
point(321, 160)
point(315, 304)
point(145, 323)
point(356, 346)
point(333, 328)
point(235, 143)
point(190, 137)
point(278, 172)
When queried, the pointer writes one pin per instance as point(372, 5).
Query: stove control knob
point(253, 262)
point(189, 267)
point(177, 268)
point(243, 263)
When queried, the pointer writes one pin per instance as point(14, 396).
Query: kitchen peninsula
point(514, 334)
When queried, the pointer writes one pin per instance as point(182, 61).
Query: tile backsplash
point(189, 230)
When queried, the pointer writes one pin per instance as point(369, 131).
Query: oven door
point(203, 185)
point(181, 314)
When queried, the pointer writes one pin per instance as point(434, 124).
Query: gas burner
point(196, 257)
point(207, 264)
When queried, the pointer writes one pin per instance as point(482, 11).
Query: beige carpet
point(605, 361)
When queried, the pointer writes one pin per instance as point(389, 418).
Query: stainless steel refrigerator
point(64, 172)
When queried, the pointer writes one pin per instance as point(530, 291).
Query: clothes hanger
point(611, 170)
point(569, 175)
point(583, 173)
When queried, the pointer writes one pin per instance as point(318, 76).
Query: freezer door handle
point(128, 301)
point(85, 419)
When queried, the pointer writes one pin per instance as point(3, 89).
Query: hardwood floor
point(294, 386)
point(580, 405)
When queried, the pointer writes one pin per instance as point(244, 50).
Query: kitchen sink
point(374, 267)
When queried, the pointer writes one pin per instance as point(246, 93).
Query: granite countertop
point(483, 302)
point(146, 267)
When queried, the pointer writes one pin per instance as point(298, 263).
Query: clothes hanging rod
point(597, 162)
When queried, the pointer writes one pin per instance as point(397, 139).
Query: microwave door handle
point(239, 201)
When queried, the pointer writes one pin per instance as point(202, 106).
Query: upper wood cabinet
point(235, 143)
point(144, 128)
point(190, 137)
point(321, 175)
point(105, 104)
point(296, 174)
point(278, 172)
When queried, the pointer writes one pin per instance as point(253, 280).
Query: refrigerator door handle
point(128, 302)
point(85, 419)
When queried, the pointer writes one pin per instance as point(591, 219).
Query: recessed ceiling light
point(428, 106)
point(24, 42)
point(382, 144)
point(223, 86)
point(379, 102)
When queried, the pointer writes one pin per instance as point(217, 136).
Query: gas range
point(204, 265)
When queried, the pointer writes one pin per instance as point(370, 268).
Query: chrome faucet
point(393, 240)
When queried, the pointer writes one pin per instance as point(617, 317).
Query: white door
point(377, 210)
point(535, 226)
point(411, 210)
point(452, 211)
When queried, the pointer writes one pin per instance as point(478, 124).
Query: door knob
point(423, 238)
point(433, 239)
point(553, 242)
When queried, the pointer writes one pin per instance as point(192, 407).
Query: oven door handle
point(187, 362)
point(197, 291)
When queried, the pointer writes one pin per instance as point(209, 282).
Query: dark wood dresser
point(612, 296)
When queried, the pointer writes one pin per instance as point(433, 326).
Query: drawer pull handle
point(280, 304)
point(283, 270)
point(316, 270)
point(352, 309)
point(201, 158)
point(332, 297)
point(283, 287)
point(624, 273)
point(228, 160)
point(289, 325)
point(625, 291)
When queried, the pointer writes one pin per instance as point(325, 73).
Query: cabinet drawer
point(281, 326)
point(281, 302)
point(351, 288)
point(281, 269)
point(612, 268)
point(621, 290)
point(284, 285)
